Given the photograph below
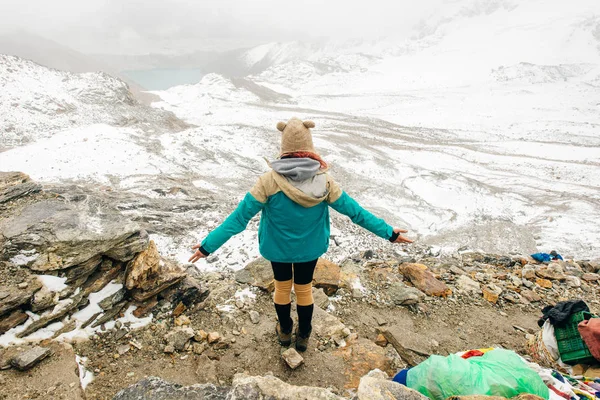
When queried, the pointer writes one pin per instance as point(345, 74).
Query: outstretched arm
point(234, 224)
point(344, 204)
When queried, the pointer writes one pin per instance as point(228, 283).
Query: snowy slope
point(480, 132)
point(36, 102)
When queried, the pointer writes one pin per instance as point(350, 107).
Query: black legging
point(302, 272)
point(303, 275)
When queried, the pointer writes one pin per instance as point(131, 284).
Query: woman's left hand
point(197, 255)
point(401, 239)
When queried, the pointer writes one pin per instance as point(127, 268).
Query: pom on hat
point(281, 126)
point(309, 124)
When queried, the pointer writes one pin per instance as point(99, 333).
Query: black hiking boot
point(285, 339)
point(302, 340)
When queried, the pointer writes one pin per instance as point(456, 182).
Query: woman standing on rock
point(294, 198)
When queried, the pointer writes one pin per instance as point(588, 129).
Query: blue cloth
point(289, 232)
point(545, 257)
point(400, 377)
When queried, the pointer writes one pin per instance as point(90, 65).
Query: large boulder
point(55, 234)
point(149, 274)
point(14, 185)
point(258, 273)
point(424, 280)
point(244, 387)
point(327, 276)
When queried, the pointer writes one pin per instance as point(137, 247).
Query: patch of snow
point(85, 377)
point(53, 283)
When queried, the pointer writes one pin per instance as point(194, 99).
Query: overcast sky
point(128, 26)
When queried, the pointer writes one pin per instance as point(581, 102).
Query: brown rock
point(9, 321)
point(491, 293)
point(147, 274)
point(362, 357)
point(590, 277)
point(292, 358)
point(545, 283)
point(530, 295)
point(381, 340)
point(144, 308)
point(424, 280)
point(46, 320)
point(213, 337)
point(551, 272)
point(327, 276)
point(528, 272)
point(14, 297)
point(29, 358)
point(258, 273)
point(177, 311)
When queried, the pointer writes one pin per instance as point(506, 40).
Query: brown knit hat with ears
point(296, 136)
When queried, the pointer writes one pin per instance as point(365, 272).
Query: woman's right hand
point(401, 239)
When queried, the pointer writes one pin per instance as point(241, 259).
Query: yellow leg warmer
point(283, 290)
point(304, 295)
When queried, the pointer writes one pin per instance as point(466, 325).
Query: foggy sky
point(138, 26)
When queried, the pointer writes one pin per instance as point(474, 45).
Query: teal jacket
point(294, 224)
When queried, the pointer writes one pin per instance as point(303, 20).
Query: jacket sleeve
point(346, 205)
point(234, 224)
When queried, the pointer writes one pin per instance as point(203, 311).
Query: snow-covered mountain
point(36, 102)
point(480, 132)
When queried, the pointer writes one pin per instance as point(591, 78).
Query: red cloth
point(590, 333)
point(472, 353)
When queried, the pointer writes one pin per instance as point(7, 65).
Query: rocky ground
point(375, 310)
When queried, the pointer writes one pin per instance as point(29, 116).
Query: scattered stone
point(573, 281)
point(528, 272)
point(9, 321)
point(258, 273)
point(403, 295)
point(321, 299)
point(213, 337)
point(122, 349)
point(110, 314)
point(376, 386)
point(545, 283)
point(169, 349)
point(254, 317)
point(43, 299)
point(531, 296)
point(212, 355)
point(590, 277)
point(327, 276)
point(82, 270)
point(145, 308)
point(199, 348)
point(491, 293)
point(110, 301)
point(48, 319)
point(381, 340)
point(13, 297)
point(550, 272)
point(27, 359)
point(182, 320)
point(467, 285)
point(424, 280)
point(179, 309)
point(179, 337)
point(200, 336)
point(292, 358)
point(221, 345)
